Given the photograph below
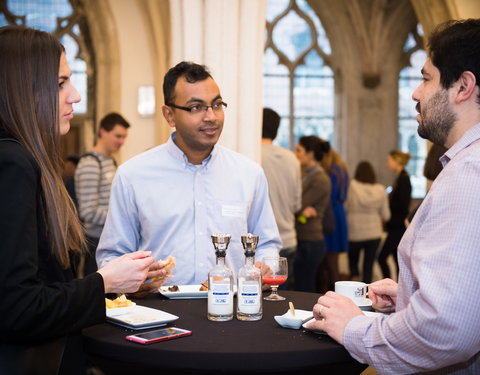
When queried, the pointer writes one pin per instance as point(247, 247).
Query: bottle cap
point(250, 243)
point(220, 243)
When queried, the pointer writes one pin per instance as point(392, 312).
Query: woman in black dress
point(399, 201)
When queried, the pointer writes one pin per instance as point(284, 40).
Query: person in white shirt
point(282, 170)
point(367, 209)
point(93, 180)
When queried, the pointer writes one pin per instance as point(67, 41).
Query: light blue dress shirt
point(162, 203)
point(436, 326)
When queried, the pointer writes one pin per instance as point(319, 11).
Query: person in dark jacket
point(315, 197)
point(44, 305)
point(399, 201)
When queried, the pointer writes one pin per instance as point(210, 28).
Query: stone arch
point(107, 55)
point(367, 41)
point(158, 20)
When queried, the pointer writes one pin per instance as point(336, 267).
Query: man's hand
point(332, 313)
point(265, 270)
point(383, 294)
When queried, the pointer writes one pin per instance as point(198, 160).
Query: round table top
point(232, 346)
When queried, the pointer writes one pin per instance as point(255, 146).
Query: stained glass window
point(298, 82)
point(60, 18)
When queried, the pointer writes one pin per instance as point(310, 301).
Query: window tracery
point(298, 79)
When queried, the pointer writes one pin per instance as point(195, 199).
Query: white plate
point(367, 313)
point(141, 317)
point(294, 322)
point(184, 292)
point(120, 310)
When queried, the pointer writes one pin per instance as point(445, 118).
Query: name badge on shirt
point(233, 211)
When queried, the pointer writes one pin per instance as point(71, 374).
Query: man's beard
point(437, 118)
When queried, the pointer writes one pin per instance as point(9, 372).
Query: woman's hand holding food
point(125, 274)
point(156, 277)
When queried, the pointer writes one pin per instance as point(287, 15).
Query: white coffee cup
point(355, 290)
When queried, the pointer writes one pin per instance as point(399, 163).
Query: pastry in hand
point(169, 263)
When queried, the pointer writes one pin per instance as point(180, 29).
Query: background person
point(69, 167)
point(438, 254)
point(172, 198)
point(44, 306)
point(431, 170)
point(399, 201)
point(367, 209)
point(315, 197)
point(282, 170)
point(93, 180)
point(336, 242)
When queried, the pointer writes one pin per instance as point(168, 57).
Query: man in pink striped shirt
point(432, 317)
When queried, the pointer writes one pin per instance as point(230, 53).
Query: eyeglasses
point(199, 108)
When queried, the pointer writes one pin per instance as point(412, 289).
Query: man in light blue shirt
point(172, 198)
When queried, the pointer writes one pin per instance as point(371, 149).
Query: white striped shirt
point(93, 183)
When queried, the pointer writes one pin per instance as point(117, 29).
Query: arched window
point(298, 82)
point(65, 20)
point(409, 140)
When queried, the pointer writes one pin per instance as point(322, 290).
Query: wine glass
point(277, 276)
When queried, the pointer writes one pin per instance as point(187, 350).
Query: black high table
point(234, 347)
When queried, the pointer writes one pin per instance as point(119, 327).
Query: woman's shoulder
point(404, 177)
point(13, 154)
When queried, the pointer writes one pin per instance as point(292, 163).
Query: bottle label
point(249, 297)
point(221, 294)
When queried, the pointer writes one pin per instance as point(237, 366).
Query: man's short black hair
point(271, 122)
point(454, 48)
point(192, 73)
point(109, 121)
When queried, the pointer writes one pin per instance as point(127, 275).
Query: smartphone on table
point(158, 335)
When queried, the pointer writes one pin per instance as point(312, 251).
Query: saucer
point(365, 305)
point(294, 322)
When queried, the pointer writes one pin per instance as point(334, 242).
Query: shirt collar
point(470, 136)
point(178, 154)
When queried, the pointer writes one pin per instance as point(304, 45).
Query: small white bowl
point(120, 310)
point(287, 320)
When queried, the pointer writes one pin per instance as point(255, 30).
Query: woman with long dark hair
point(44, 305)
point(309, 226)
point(337, 241)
